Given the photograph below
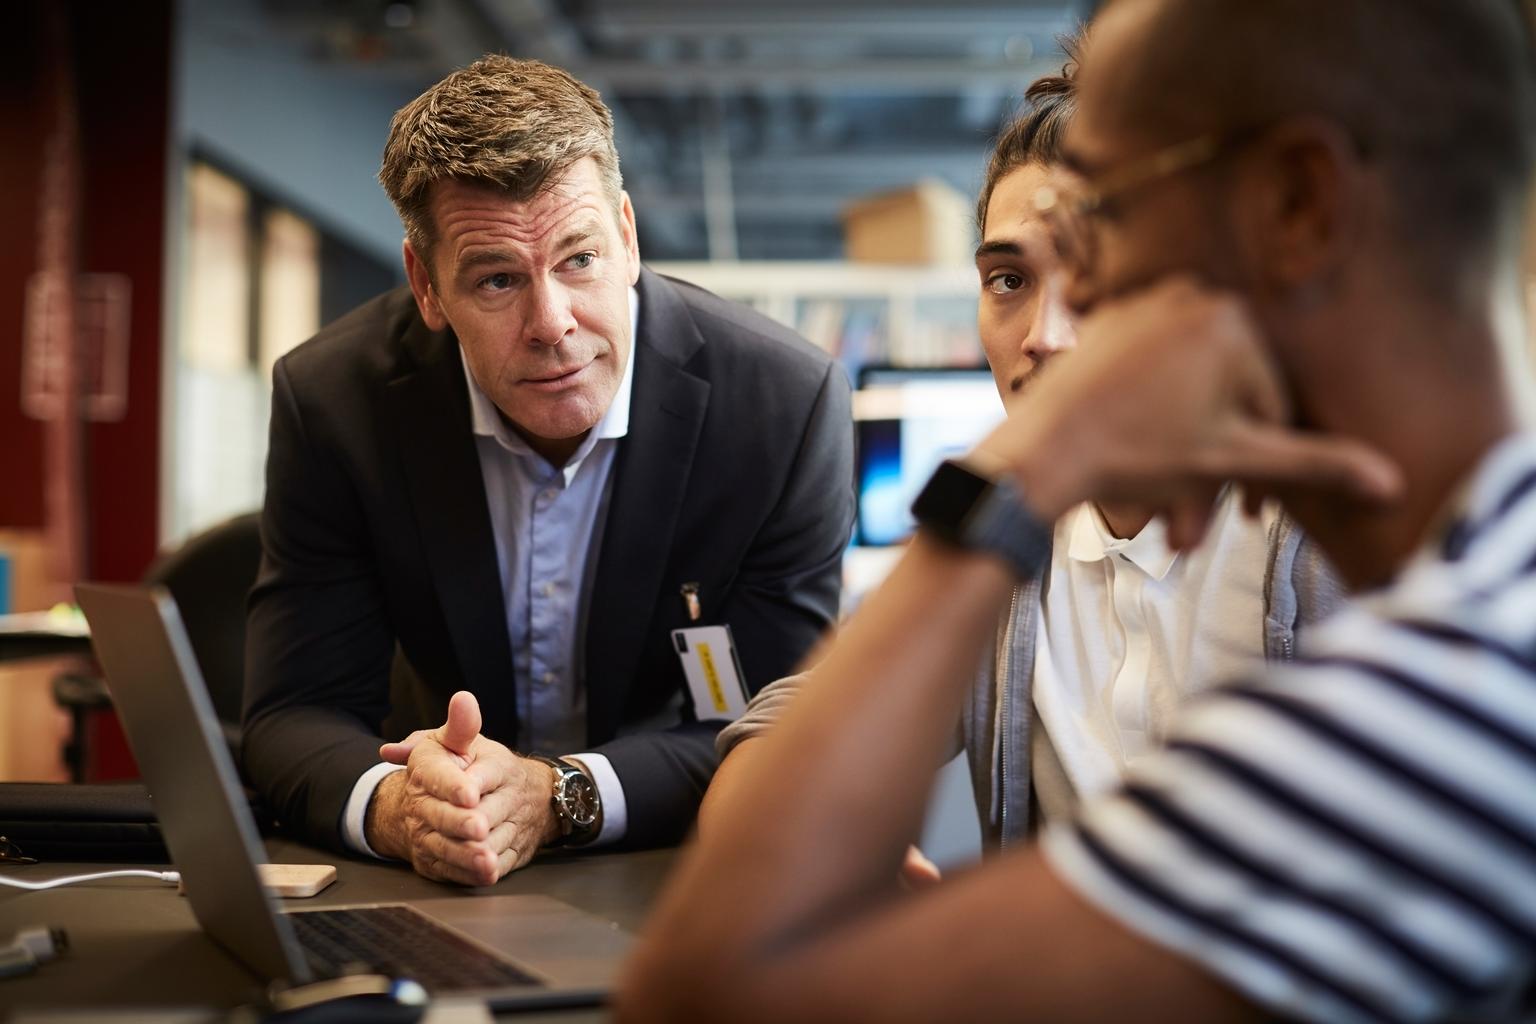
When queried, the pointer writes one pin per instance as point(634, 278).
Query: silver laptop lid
point(175, 736)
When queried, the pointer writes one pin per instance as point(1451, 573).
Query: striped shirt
point(1352, 837)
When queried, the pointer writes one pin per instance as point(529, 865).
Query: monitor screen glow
point(908, 421)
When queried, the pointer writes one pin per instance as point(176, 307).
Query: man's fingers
point(514, 843)
point(471, 824)
point(436, 773)
point(509, 835)
point(1188, 520)
point(480, 862)
point(494, 808)
point(399, 751)
point(1271, 455)
point(495, 767)
point(1254, 496)
point(457, 861)
point(456, 735)
point(463, 723)
point(918, 871)
point(430, 866)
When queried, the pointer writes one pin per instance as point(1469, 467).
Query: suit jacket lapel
point(429, 406)
point(650, 478)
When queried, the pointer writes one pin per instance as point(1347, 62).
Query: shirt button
point(549, 494)
point(549, 679)
point(549, 589)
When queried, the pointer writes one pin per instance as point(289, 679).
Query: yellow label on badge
point(712, 677)
point(707, 655)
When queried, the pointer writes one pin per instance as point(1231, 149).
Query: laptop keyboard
point(401, 943)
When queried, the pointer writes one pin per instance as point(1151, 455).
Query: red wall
point(122, 59)
point(21, 439)
point(121, 56)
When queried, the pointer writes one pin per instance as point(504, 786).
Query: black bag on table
point(54, 821)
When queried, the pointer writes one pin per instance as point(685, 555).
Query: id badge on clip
point(713, 671)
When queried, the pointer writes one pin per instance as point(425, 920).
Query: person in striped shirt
point(1094, 656)
point(1295, 246)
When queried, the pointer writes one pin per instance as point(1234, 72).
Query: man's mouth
point(556, 379)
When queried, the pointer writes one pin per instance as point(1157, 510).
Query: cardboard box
point(33, 729)
point(929, 224)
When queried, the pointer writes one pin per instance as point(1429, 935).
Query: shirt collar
point(1091, 541)
point(486, 419)
point(1501, 477)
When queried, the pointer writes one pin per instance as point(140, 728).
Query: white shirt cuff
point(356, 813)
point(611, 793)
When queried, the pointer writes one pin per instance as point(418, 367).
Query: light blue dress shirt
point(548, 525)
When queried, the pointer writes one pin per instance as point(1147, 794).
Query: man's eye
point(495, 282)
point(583, 260)
point(1004, 282)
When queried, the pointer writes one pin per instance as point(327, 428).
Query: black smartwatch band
point(962, 507)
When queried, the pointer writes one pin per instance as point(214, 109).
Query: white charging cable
point(33, 946)
point(173, 877)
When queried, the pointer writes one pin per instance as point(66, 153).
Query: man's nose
point(548, 317)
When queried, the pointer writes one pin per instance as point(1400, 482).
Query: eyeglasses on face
point(1069, 215)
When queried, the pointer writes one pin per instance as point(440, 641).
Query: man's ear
point(421, 287)
point(630, 235)
point(1302, 204)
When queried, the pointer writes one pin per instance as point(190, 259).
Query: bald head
point(1439, 93)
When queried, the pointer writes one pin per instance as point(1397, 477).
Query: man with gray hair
point(494, 494)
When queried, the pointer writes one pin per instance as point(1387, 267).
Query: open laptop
point(510, 951)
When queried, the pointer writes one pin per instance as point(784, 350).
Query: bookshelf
point(863, 314)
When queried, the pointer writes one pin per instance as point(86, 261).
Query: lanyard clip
point(690, 593)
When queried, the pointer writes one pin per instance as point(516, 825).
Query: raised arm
point(760, 924)
point(805, 923)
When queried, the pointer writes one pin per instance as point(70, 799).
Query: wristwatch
point(971, 508)
point(575, 801)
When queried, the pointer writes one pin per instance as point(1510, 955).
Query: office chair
point(209, 576)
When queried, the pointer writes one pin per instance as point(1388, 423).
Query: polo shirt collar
point(1091, 541)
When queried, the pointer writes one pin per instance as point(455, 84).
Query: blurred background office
point(187, 191)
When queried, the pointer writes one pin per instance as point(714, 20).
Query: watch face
point(947, 499)
point(578, 798)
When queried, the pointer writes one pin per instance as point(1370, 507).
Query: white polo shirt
point(1130, 629)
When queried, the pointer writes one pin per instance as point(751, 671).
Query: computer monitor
point(909, 419)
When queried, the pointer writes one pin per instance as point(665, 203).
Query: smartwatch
point(575, 801)
point(970, 509)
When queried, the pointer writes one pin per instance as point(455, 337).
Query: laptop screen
point(180, 749)
point(908, 420)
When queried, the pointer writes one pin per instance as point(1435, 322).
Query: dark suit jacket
point(736, 473)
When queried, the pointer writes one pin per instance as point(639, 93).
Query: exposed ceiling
point(744, 126)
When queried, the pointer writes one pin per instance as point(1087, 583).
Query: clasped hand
point(466, 809)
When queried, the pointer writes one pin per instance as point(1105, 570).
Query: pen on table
point(690, 594)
